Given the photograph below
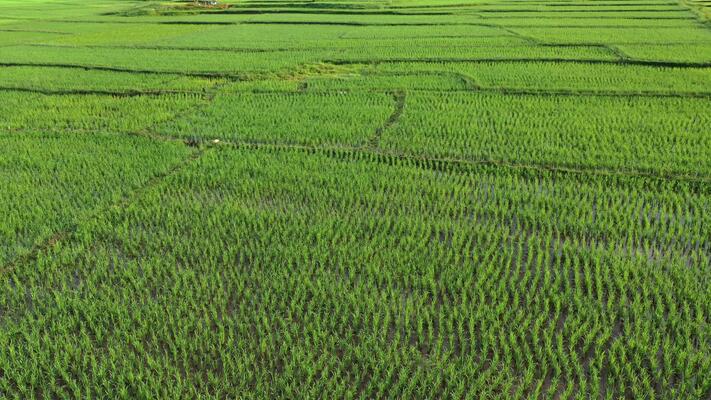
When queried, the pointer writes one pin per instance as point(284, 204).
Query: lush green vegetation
point(68, 80)
point(329, 118)
point(663, 135)
point(24, 111)
point(355, 199)
point(570, 77)
point(53, 181)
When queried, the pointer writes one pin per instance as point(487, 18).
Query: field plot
point(570, 76)
point(75, 80)
point(650, 134)
point(305, 118)
point(625, 35)
point(693, 53)
point(374, 271)
point(51, 180)
point(13, 37)
point(202, 62)
point(27, 111)
point(425, 199)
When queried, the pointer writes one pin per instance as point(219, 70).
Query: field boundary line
point(176, 48)
point(90, 92)
point(72, 227)
point(617, 51)
point(590, 92)
point(467, 81)
point(439, 162)
point(197, 74)
point(400, 97)
point(321, 11)
point(602, 46)
point(462, 164)
point(37, 31)
point(236, 76)
point(471, 86)
point(634, 18)
point(652, 63)
point(368, 24)
point(256, 50)
point(530, 39)
point(623, 10)
point(698, 11)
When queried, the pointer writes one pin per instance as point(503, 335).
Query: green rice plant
point(660, 135)
point(73, 112)
point(598, 12)
point(349, 273)
point(72, 79)
point(355, 19)
point(8, 36)
point(51, 181)
point(348, 46)
point(273, 84)
point(688, 52)
point(354, 199)
point(593, 22)
point(414, 81)
point(303, 118)
point(270, 34)
point(571, 76)
point(202, 62)
point(35, 9)
point(384, 32)
point(106, 34)
point(691, 34)
point(473, 53)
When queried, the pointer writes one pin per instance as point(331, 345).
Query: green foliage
point(570, 76)
point(249, 272)
point(39, 112)
point(624, 35)
point(355, 199)
point(686, 52)
point(305, 118)
point(365, 82)
point(662, 135)
point(74, 79)
point(52, 181)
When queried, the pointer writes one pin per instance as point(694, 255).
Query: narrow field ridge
point(67, 232)
point(399, 97)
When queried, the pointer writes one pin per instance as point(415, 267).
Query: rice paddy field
point(344, 199)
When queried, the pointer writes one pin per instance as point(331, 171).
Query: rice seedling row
point(352, 297)
point(355, 199)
